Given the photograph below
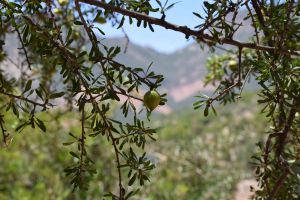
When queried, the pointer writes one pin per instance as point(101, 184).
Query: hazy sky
point(162, 40)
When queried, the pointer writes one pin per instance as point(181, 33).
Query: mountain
point(176, 67)
point(183, 69)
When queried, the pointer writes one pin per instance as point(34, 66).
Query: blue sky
point(162, 40)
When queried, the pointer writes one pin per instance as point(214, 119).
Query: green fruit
point(63, 2)
point(233, 65)
point(57, 11)
point(151, 99)
point(76, 35)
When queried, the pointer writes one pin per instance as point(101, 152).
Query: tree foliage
point(60, 42)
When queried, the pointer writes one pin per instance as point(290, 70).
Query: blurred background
point(196, 157)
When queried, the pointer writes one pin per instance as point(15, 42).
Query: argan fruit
point(63, 2)
point(151, 99)
point(57, 11)
point(233, 65)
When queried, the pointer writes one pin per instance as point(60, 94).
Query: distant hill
point(184, 69)
point(176, 67)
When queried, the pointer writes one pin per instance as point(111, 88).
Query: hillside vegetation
point(196, 158)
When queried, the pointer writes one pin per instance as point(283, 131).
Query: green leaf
point(100, 20)
point(69, 34)
point(121, 23)
point(139, 23)
point(68, 143)
point(116, 52)
point(79, 23)
point(15, 109)
point(214, 110)
point(40, 124)
point(131, 181)
point(198, 15)
point(25, 32)
point(82, 54)
point(38, 92)
point(27, 86)
point(56, 95)
point(151, 28)
point(206, 110)
point(100, 30)
point(159, 3)
point(22, 126)
point(74, 154)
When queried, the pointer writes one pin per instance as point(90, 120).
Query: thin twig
point(223, 92)
point(23, 48)
point(253, 23)
point(86, 27)
point(52, 18)
point(44, 105)
point(266, 155)
point(208, 23)
point(240, 66)
point(129, 96)
point(245, 79)
point(118, 165)
point(82, 142)
point(127, 40)
point(12, 62)
point(110, 134)
point(124, 32)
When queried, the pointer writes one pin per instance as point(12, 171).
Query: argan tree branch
point(187, 31)
point(261, 20)
point(278, 184)
point(253, 23)
point(288, 125)
point(43, 105)
point(23, 48)
point(211, 22)
point(86, 27)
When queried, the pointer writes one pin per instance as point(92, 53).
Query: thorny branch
point(187, 31)
point(261, 20)
point(23, 48)
point(253, 23)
